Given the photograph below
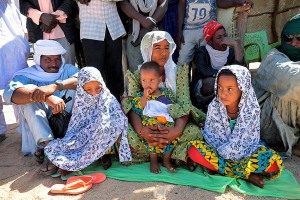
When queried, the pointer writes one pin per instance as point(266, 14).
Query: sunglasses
point(289, 38)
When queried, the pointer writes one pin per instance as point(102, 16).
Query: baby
point(152, 105)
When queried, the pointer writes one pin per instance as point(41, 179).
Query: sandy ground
point(19, 178)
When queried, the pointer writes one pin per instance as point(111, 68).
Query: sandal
point(2, 137)
point(39, 156)
point(48, 168)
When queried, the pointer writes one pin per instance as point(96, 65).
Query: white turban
point(47, 47)
point(44, 47)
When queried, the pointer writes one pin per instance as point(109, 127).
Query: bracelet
point(140, 132)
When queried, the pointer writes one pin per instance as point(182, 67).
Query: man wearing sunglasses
point(277, 86)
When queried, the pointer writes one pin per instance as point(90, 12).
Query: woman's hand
point(169, 134)
point(154, 137)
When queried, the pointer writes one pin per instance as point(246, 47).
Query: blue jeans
point(192, 40)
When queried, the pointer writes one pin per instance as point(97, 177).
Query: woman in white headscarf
point(96, 123)
point(158, 46)
point(232, 132)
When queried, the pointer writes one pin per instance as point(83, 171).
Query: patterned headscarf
point(170, 67)
point(243, 140)
point(292, 27)
point(210, 28)
point(97, 121)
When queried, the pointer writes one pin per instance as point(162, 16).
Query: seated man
point(277, 87)
point(219, 51)
point(38, 90)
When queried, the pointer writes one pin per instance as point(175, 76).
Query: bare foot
point(106, 161)
point(167, 162)
point(211, 172)
point(191, 165)
point(154, 166)
point(256, 179)
point(296, 149)
point(64, 172)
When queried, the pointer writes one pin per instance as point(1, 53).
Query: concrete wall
point(271, 15)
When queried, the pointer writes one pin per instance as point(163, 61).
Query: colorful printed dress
point(149, 121)
point(232, 147)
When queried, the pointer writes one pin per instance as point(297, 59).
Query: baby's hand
point(147, 92)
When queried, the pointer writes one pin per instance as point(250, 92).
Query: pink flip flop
point(95, 177)
point(75, 187)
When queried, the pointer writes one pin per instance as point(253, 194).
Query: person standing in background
point(145, 16)
point(101, 32)
point(192, 16)
point(52, 19)
point(14, 49)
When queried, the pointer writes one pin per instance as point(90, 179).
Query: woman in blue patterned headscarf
point(97, 122)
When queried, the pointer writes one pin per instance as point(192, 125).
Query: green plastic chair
point(255, 46)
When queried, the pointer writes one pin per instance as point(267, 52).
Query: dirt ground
point(19, 178)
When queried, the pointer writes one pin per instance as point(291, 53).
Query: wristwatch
point(60, 84)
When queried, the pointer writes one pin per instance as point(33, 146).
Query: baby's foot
point(256, 179)
point(167, 164)
point(154, 166)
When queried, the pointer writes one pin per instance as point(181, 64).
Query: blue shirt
point(198, 13)
point(20, 81)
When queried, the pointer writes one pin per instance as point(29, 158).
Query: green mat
point(285, 186)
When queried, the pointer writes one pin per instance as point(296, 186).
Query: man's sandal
point(39, 156)
point(48, 168)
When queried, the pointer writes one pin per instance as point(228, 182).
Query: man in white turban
point(38, 90)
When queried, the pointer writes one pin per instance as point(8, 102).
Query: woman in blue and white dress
point(97, 122)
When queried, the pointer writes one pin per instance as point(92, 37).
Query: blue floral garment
point(96, 124)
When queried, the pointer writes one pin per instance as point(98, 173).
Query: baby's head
point(92, 87)
point(150, 76)
point(227, 89)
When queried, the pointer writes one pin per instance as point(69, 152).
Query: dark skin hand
point(56, 103)
point(84, 1)
point(49, 20)
point(156, 135)
point(152, 135)
point(39, 94)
